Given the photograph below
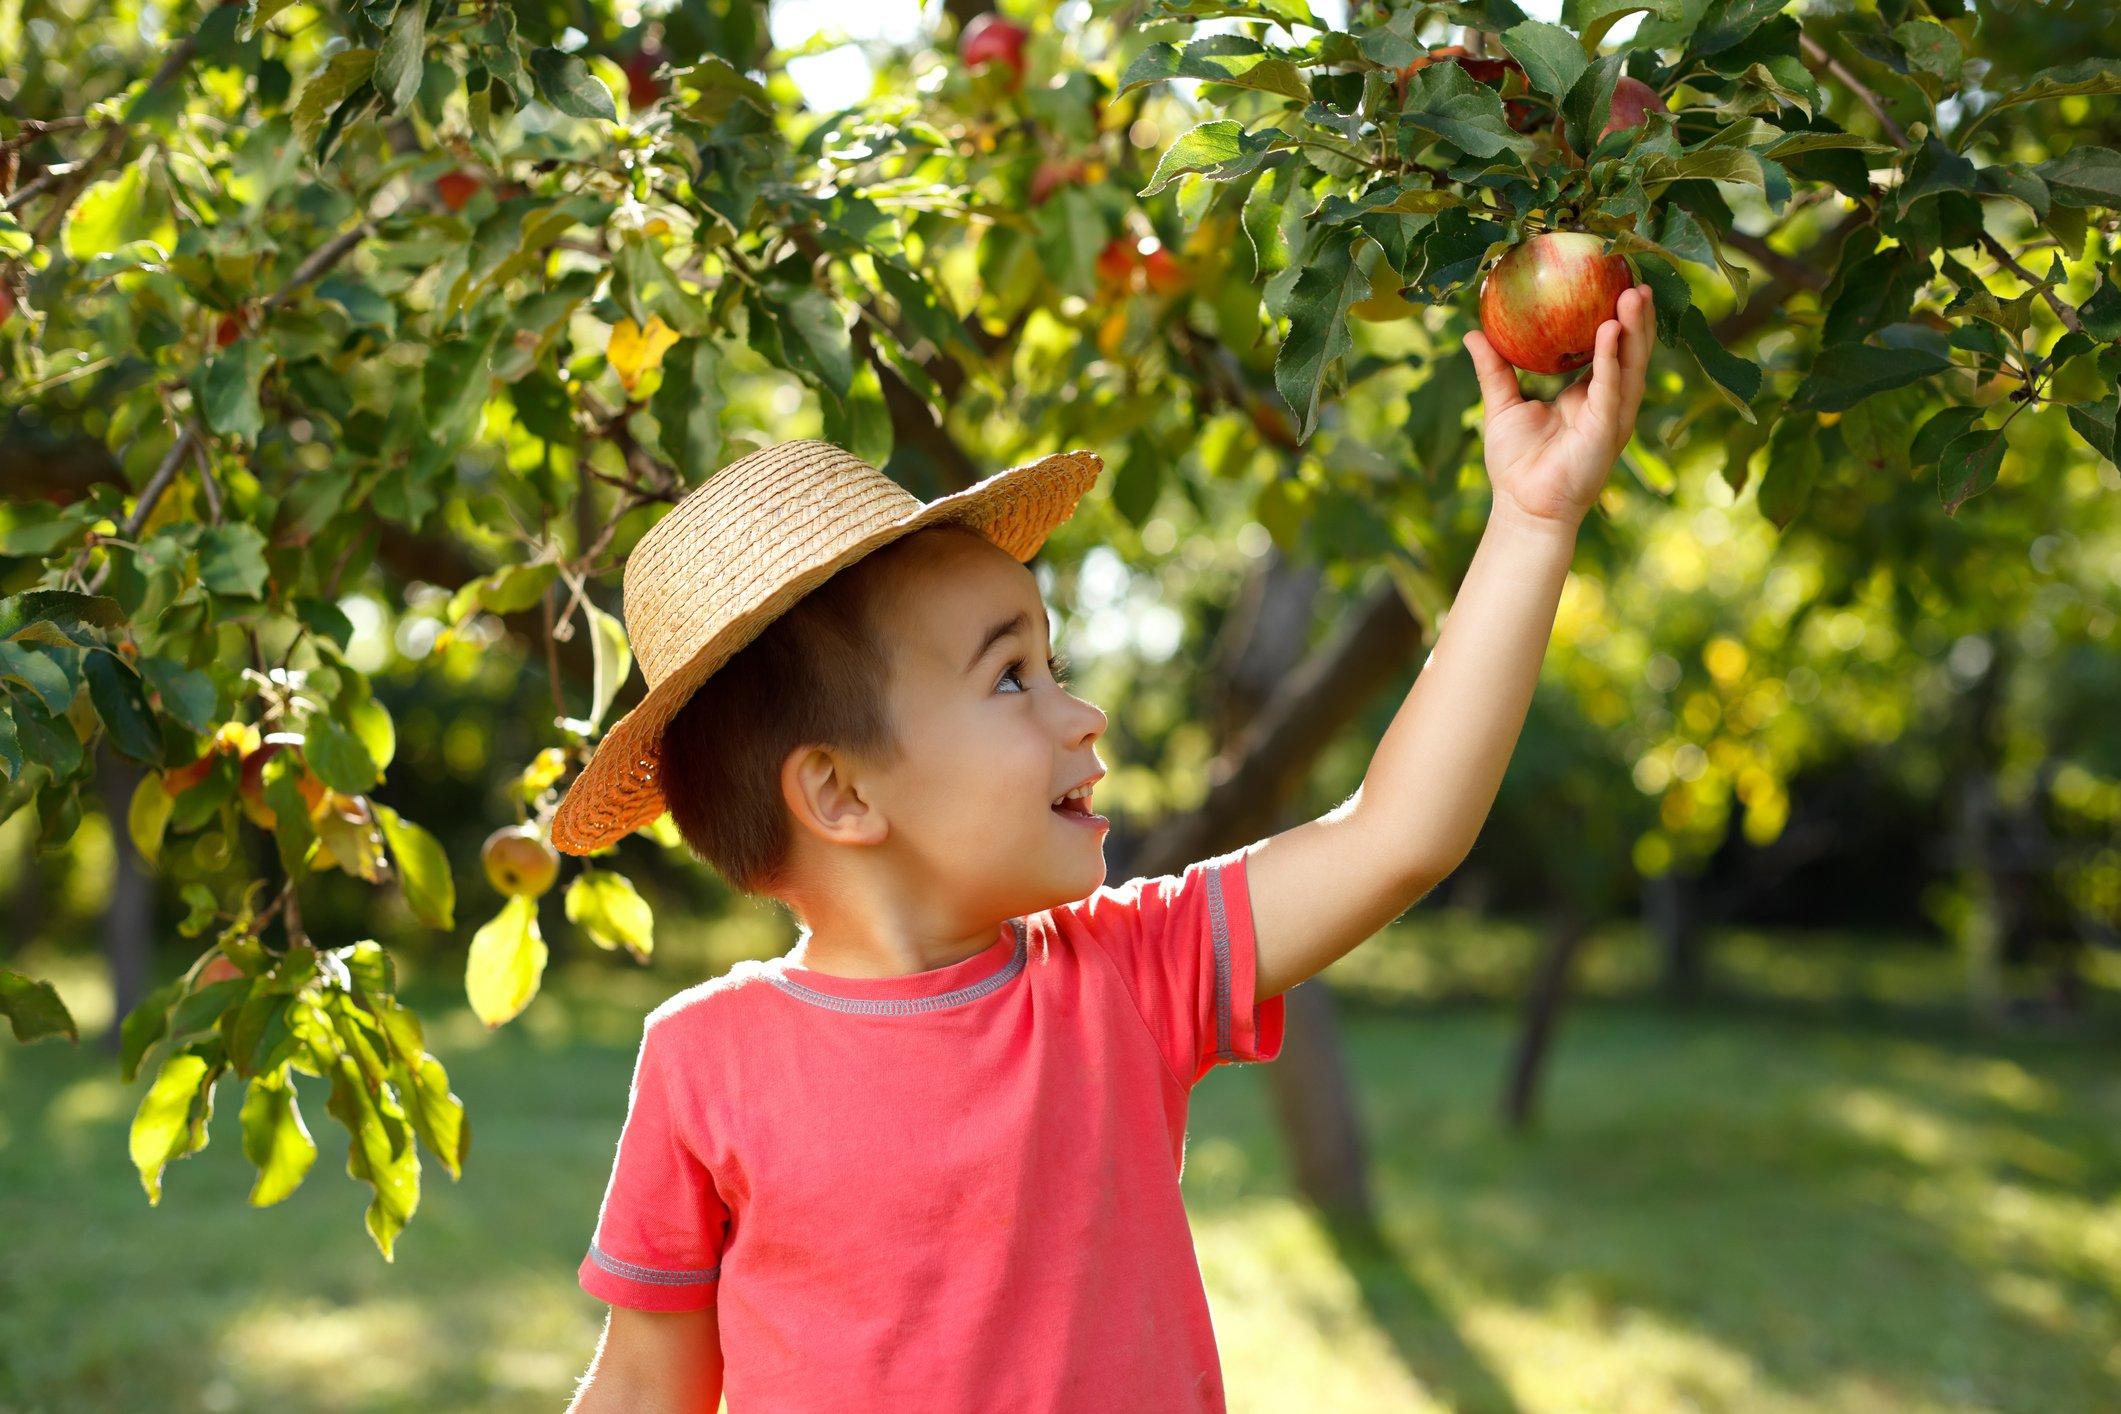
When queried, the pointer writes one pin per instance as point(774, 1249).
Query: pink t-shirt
point(956, 1190)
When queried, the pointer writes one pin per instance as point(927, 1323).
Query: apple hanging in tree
point(1543, 302)
point(990, 38)
point(456, 189)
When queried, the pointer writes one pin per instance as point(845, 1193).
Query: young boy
point(930, 1159)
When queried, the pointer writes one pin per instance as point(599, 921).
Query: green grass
point(1761, 1207)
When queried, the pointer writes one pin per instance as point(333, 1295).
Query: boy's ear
point(821, 794)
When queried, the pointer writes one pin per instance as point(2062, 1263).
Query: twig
point(2004, 258)
point(78, 180)
point(323, 258)
point(1815, 54)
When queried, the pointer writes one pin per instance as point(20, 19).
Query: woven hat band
point(723, 550)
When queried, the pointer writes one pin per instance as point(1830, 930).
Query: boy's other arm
point(656, 1362)
point(1322, 887)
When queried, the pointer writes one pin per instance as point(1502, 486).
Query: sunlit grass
point(1755, 1209)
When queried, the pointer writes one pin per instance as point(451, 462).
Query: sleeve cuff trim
point(652, 1275)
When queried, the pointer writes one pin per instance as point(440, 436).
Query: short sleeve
point(1184, 946)
point(659, 1235)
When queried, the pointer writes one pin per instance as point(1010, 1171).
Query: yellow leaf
point(634, 351)
point(506, 963)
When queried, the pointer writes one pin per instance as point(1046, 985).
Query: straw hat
point(737, 552)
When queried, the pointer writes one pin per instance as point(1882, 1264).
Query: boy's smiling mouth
point(1074, 803)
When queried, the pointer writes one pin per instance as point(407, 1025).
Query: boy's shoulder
point(713, 1002)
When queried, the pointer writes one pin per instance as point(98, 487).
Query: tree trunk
point(1671, 910)
point(1269, 747)
point(1316, 1104)
point(128, 921)
point(1543, 1004)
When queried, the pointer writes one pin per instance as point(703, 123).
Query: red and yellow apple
point(1542, 303)
point(456, 188)
point(518, 861)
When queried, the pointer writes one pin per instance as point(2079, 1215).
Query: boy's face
point(989, 738)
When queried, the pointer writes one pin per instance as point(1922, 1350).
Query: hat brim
point(619, 791)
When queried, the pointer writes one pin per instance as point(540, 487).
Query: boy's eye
point(1057, 665)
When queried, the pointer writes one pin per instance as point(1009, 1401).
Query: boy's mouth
point(1075, 803)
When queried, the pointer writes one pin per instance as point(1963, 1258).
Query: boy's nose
point(1092, 724)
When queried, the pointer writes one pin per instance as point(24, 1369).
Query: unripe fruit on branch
point(1541, 305)
point(518, 861)
point(250, 785)
point(990, 38)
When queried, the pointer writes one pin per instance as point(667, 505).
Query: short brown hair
point(817, 675)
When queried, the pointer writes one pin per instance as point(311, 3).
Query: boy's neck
point(863, 939)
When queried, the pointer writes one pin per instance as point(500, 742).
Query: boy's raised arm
point(1322, 887)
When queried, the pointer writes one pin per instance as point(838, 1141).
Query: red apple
point(1633, 102)
point(642, 85)
point(227, 331)
point(1166, 276)
point(1520, 115)
point(1543, 302)
point(989, 38)
point(456, 189)
point(7, 304)
point(1117, 262)
point(219, 969)
point(1053, 174)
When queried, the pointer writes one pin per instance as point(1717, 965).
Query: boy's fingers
point(1498, 380)
point(1604, 399)
point(1642, 336)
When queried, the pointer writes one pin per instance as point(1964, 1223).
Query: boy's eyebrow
point(1016, 623)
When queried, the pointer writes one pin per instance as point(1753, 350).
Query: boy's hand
point(1550, 460)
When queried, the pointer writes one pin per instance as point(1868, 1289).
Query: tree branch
point(1815, 54)
point(2009, 262)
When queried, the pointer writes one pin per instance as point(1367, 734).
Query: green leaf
point(508, 590)
point(423, 870)
point(110, 214)
point(347, 71)
point(1232, 59)
point(688, 407)
point(1318, 336)
point(1737, 378)
point(275, 1139)
point(35, 614)
point(186, 694)
point(2096, 423)
point(437, 1114)
point(1845, 374)
point(2086, 76)
point(1931, 48)
point(399, 65)
point(612, 657)
point(1589, 102)
point(2101, 314)
point(605, 906)
point(454, 383)
point(565, 82)
point(256, 14)
point(228, 389)
point(339, 758)
point(33, 1008)
point(1792, 467)
point(1552, 58)
point(507, 960)
point(121, 702)
point(381, 1155)
point(814, 336)
point(146, 1024)
point(232, 560)
point(1968, 466)
point(2084, 176)
point(39, 673)
point(172, 1119)
point(1219, 150)
point(1444, 100)
point(147, 817)
point(370, 721)
point(1593, 18)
